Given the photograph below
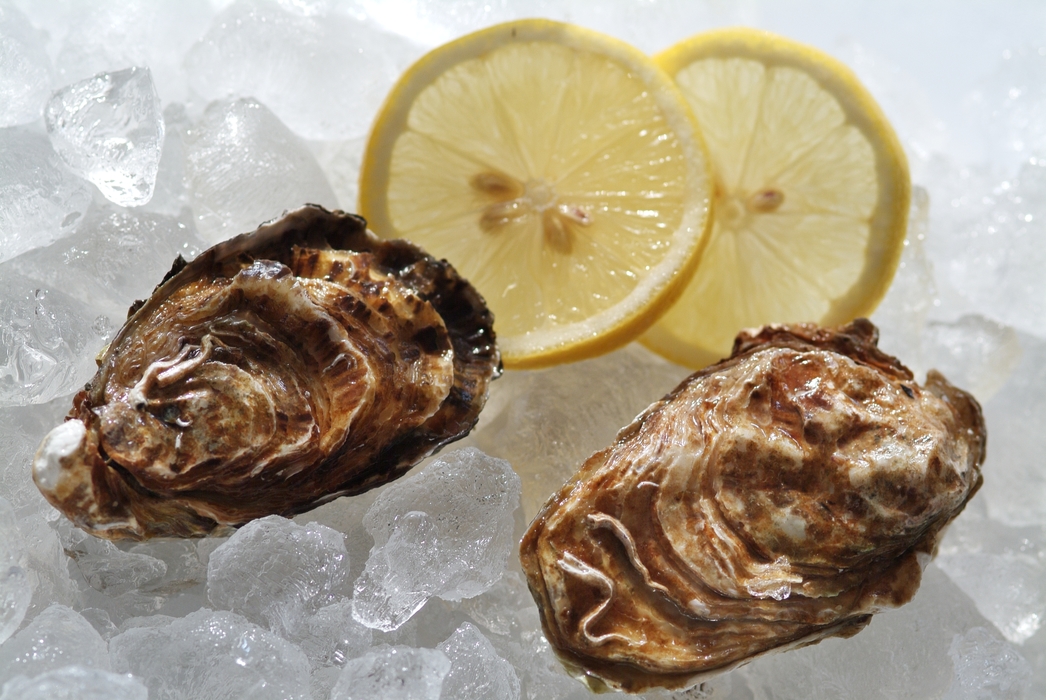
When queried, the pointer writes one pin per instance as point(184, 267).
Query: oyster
point(278, 370)
point(774, 499)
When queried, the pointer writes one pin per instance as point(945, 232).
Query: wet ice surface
point(26, 76)
point(445, 531)
point(75, 683)
point(243, 166)
point(266, 105)
point(277, 573)
point(210, 654)
point(15, 589)
point(393, 672)
point(40, 199)
point(323, 70)
point(109, 130)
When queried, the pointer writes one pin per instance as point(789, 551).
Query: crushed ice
point(132, 132)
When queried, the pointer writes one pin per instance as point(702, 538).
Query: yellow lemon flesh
point(559, 170)
point(811, 192)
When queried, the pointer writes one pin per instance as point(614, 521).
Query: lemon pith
point(811, 188)
point(558, 169)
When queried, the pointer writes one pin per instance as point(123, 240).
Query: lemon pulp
point(558, 170)
point(811, 192)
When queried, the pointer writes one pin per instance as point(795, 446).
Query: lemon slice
point(811, 192)
point(559, 170)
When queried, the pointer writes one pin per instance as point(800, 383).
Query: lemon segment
point(559, 170)
point(811, 192)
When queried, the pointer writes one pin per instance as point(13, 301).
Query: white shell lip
point(60, 443)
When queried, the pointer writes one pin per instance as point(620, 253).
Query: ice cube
point(25, 69)
point(446, 531)
point(992, 253)
point(986, 668)
point(102, 37)
point(431, 22)
point(245, 167)
point(540, 672)
point(1034, 650)
point(902, 653)
point(277, 573)
point(49, 340)
point(1014, 478)
point(346, 516)
point(1010, 105)
point(393, 673)
point(340, 161)
point(48, 566)
point(211, 654)
point(902, 314)
point(104, 567)
point(75, 683)
point(331, 636)
point(118, 256)
point(40, 200)
point(719, 687)
point(548, 422)
point(476, 670)
point(109, 130)
point(499, 609)
point(171, 196)
point(973, 352)
point(1001, 568)
point(323, 72)
point(21, 431)
point(15, 587)
point(57, 637)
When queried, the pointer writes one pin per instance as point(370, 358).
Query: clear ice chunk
point(1014, 480)
point(109, 130)
point(902, 653)
point(987, 668)
point(973, 352)
point(21, 430)
point(25, 69)
point(477, 672)
point(75, 683)
point(102, 37)
point(902, 314)
point(245, 167)
point(445, 531)
point(49, 340)
point(40, 199)
point(16, 589)
point(1010, 106)
point(393, 673)
point(323, 72)
point(992, 253)
point(1001, 568)
point(48, 566)
point(277, 573)
point(211, 654)
point(548, 422)
point(331, 636)
point(116, 257)
point(106, 568)
point(57, 637)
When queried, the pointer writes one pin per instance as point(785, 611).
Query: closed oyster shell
point(774, 499)
point(278, 370)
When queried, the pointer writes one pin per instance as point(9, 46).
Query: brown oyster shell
point(775, 499)
point(278, 370)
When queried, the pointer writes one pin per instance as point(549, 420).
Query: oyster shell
point(278, 370)
point(774, 499)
